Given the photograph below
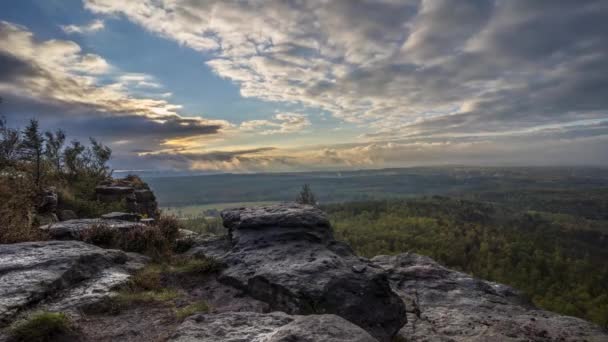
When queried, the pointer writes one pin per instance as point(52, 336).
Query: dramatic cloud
point(56, 78)
point(417, 67)
point(396, 82)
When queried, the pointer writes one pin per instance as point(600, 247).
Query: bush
point(169, 226)
point(16, 202)
point(156, 241)
point(42, 327)
point(103, 236)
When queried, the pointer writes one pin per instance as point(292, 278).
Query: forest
point(557, 257)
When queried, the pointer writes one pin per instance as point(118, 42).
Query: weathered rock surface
point(59, 275)
point(65, 215)
point(285, 255)
point(133, 191)
point(445, 305)
point(133, 217)
point(74, 229)
point(270, 327)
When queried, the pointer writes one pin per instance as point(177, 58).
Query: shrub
point(191, 309)
point(42, 327)
point(16, 202)
point(103, 236)
point(169, 226)
point(148, 240)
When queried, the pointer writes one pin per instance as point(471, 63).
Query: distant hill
point(342, 186)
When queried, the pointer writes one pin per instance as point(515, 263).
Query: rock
point(59, 275)
point(74, 229)
point(270, 327)
point(446, 305)
point(132, 217)
point(286, 256)
point(49, 201)
point(66, 215)
point(133, 191)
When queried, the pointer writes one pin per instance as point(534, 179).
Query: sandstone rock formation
point(59, 275)
point(286, 256)
point(133, 191)
point(133, 217)
point(270, 327)
point(445, 305)
point(74, 229)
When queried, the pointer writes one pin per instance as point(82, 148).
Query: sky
point(264, 85)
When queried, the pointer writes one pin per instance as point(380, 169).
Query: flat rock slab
point(59, 275)
point(120, 216)
point(281, 215)
point(73, 229)
point(269, 327)
point(285, 255)
point(445, 305)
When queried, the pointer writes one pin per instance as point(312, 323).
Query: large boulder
point(76, 229)
point(286, 256)
point(445, 305)
point(270, 327)
point(131, 190)
point(59, 275)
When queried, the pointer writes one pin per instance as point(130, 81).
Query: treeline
point(32, 162)
point(562, 268)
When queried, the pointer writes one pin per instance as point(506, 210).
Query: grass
point(150, 285)
point(191, 309)
point(42, 327)
point(192, 265)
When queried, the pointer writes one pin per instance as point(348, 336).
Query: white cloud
point(397, 64)
point(284, 123)
point(93, 26)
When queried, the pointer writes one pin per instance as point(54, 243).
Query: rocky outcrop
point(133, 217)
point(270, 327)
point(59, 275)
point(285, 255)
point(136, 194)
point(445, 305)
point(74, 229)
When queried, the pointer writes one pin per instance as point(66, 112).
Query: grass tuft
point(191, 309)
point(42, 327)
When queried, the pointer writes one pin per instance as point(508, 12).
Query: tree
point(306, 196)
point(53, 148)
point(32, 149)
point(10, 142)
point(99, 157)
point(73, 159)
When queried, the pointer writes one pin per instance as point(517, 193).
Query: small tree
point(73, 159)
point(306, 196)
point(10, 141)
point(53, 149)
point(99, 157)
point(32, 149)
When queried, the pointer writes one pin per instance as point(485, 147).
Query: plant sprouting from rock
point(306, 196)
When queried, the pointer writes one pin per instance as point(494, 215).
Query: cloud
point(81, 92)
point(93, 26)
point(284, 123)
point(431, 66)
